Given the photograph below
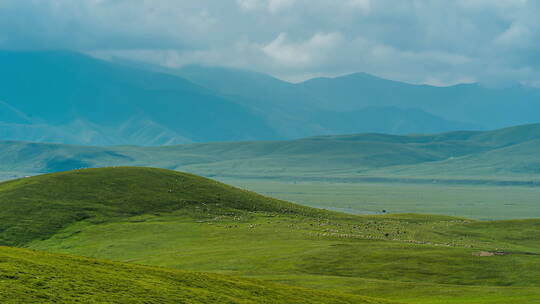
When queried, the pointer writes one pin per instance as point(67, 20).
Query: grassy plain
point(484, 202)
point(163, 218)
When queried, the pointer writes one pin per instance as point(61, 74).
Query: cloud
point(277, 5)
point(250, 4)
point(516, 35)
point(363, 5)
point(441, 42)
point(304, 53)
point(272, 6)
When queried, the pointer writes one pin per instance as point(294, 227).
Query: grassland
point(433, 256)
point(131, 215)
point(483, 202)
point(35, 208)
point(38, 277)
point(502, 155)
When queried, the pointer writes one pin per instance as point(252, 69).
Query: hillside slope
point(38, 277)
point(513, 153)
point(499, 153)
point(162, 218)
point(520, 159)
point(37, 207)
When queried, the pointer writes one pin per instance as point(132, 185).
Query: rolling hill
point(498, 154)
point(162, 218)
point(52, 202)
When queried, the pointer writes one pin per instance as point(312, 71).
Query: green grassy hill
point(37, 207)
point(38, 277)
point(500, 154)
point(164, 218)
point(517, 161)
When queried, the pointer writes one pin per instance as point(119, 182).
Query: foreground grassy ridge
point(35, 208)
point(37, 277)
point(408, 258)
point(424, 259)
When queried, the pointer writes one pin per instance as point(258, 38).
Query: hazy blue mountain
point(9, 114)
point(250, 88)
point(328, 104)
point(388, 119)
point(469, 103)
point(134, 131)
point(265, 90)
point(287, 110)
point(66, 97)
point(97, 102)
point(295, 111)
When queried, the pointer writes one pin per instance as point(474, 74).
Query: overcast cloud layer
point(434, 41)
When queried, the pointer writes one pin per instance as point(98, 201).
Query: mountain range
point(72, 98)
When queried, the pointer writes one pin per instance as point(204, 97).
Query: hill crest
point(37, 207)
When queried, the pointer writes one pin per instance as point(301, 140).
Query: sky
point(437, 42)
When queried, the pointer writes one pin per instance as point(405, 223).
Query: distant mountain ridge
point(488, 108)
point(70, 98)
point(296, 108)
point(325, 105)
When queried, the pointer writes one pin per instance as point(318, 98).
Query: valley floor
point(484, 202)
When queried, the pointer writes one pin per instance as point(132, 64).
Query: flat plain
point(483, 202)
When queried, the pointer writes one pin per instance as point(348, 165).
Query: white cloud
point(250, 4)
point(272, 6)
point(516, 35)
point(533, 83)
point(363, 5)
point(410, 40)
point(303, 53)
point(483, 4)
point(276, 5)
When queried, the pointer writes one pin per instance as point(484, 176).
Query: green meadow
point(484, 202)
point(508, 156)
point(38, 277)
point(435, 258)
point(185, 225)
